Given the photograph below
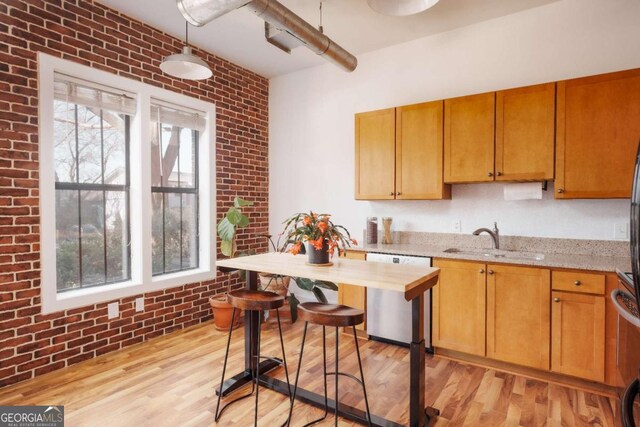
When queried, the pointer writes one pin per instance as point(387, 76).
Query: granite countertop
point(595, 255)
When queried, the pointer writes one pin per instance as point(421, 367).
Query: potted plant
point(227, 228)
point(322, 235)
point(324, 238)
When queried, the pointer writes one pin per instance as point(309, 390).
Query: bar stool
point(254, 301)
point(336, 316)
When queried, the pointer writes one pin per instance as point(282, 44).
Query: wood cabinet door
point(577, 335)
point(459, 303)
point(518, 315)
point(469, 133)
point(597, 134)
point(525, 133)
point(352, 295)
point(375, 154)
point(419, 152)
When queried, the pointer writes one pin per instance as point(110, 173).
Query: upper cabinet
point(419, 152)
point(597, 134)
point(375, 154)
point(399, 153)
point(582, 133)
point(525, 133)
point(469, 129)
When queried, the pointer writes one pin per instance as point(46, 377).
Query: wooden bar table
point(411, 280)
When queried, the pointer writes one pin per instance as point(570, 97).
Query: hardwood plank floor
point(169, 381)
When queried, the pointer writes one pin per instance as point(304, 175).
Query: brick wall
point(90, 33)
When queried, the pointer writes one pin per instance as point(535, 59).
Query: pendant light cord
point(186, 32)
point(320, 27)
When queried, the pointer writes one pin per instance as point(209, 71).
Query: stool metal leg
point(284, 357)
point(224, 369)
point(364, 388)
point(324, 371)
point(337, 373)
point(295, 385)
point(258, 368)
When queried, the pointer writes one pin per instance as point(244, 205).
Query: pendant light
point(186, 65)
point(400, 7)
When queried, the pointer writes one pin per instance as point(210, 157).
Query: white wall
point(312, 128)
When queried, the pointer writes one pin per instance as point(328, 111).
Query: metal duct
point(200, 12)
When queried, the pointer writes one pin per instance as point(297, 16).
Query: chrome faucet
point(495, 234)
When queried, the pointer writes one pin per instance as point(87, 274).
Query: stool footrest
point(344, 374)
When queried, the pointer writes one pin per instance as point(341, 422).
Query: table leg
point(251, 326)
point(419, 416)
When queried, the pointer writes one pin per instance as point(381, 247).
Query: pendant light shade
point(400, 7)
point(186, 65)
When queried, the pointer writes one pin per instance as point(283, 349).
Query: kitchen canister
point(372, 230)
point(387, 238)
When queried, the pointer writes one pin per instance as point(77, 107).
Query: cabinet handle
point(391, 194)
point(499, 173)
point(577, 283)
point(490, 271)
point(490, 174)
point(481, 271)
point(398, 194)
point(560, 190)
point(556, 300)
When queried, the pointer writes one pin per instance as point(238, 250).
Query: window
point(127, 189)
point(91, 158)
point(174, 188)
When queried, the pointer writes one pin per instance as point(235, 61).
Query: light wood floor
point(170, 381)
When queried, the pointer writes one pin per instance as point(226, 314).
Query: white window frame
point(140, 207)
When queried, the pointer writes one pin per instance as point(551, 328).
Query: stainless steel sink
point(496, 253)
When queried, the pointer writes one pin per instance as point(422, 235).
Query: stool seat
point(255, 300)
point(330, 314)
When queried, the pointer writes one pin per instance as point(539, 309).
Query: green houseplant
point(233, 220)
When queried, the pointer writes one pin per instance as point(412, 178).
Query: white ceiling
point(239, 35)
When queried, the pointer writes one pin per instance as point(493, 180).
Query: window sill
point(102, 294)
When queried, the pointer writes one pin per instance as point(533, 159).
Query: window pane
point(172, 233)
point(115, 148)
point(117, 236)
point(67, 240)
point(64, 134)
point(187, 159)
point(189, 231)
point(89, 145)
point(92, 237)
point(170, 144)
point(157, 243)
point(156, 156)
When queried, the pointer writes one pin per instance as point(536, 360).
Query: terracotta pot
point(222, 313)
point(318, 256)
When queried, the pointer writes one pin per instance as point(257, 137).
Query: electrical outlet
point(621, 231)
point(140, 304)
point(456, 226)
point(113, 310)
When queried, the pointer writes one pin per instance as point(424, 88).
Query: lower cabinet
point(458, 319)
point(578, 335)
point(518, 300)
point(533, 317)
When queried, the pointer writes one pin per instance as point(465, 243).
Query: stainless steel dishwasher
point(388, 313)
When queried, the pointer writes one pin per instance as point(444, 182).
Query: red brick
point(90, 33)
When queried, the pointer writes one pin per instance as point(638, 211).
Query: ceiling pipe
point(200, 12)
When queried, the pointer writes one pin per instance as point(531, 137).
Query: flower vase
point(319, 256)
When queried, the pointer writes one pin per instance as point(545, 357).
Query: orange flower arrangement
point(316, 229)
